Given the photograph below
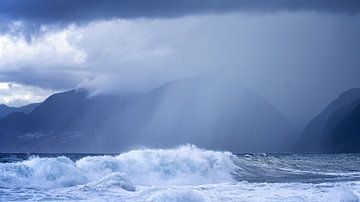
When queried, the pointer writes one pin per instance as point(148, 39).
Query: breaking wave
point(185, 173)
point(185, 165)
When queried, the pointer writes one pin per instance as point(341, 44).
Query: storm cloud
point(62, 12)
point(291, 52)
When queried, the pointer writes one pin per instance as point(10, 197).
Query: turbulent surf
point(185, 173)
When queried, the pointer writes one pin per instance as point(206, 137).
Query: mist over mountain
point(336, 129)
point(209, 111)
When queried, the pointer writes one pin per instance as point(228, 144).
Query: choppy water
point(186, 173)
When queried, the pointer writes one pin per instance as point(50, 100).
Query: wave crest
point(185, 165)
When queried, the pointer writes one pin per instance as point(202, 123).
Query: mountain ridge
point(318, 132)
point(6, 110)
point(208, 111)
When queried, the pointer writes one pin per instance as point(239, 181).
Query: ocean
point(185, 173)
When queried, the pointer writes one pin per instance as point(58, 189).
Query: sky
point(297, 54)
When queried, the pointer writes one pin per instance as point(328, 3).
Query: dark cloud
point(291, 58)
point(62, 12)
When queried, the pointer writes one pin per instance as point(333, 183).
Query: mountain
point(209, 111)
point(5, 110)
point(64, 122)
point(334, 130)
point(345, 136)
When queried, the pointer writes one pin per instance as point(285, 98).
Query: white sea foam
point(42, 173)
point(174, 195)
point(113, 180)
point(186, 174)
point(183, 165)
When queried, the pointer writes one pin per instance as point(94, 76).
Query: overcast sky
point(298, 54)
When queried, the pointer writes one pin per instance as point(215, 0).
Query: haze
point(299, 56)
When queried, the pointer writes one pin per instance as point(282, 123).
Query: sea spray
point(185, 173)
point(180, 166)
point(184, 165)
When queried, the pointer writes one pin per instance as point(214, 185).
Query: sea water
point(184, 173)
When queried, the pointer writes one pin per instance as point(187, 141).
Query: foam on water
point(173, 195)
point(41, 173)
point(112, 180)
point(183, 165)
point(185, 173)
